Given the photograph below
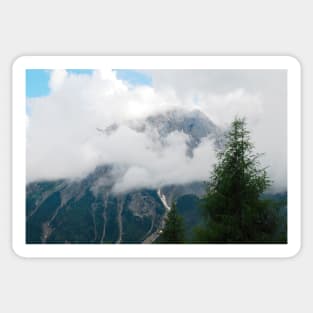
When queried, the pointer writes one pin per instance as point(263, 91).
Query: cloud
point(258, 95)
point(63, 140)
point(222, 109)
point(153, 168)
point(57, 78)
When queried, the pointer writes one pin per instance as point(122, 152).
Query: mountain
point(194, 124)
point(89, 210)
point(69, 212)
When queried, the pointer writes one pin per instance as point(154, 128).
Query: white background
point(155, 27)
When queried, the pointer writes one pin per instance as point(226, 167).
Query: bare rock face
point(194, 124)
point(142, 205)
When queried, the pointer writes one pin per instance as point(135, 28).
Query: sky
point(65, 107)
point(37, 81)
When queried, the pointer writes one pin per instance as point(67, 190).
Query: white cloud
point(62, 140)
point(259, 95)
point(153, 168)
point(57, 78)
point(222, 109)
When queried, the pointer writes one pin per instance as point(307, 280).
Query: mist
point(64, 141)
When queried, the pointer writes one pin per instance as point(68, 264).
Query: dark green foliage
point(35, 193)
point(134, 227)
point(75, 222)
point(86, 217)
point(43, 214)
point(234, 212)
point(174, 229)
point(189, 208)
point(279, 200)
point(111, 227)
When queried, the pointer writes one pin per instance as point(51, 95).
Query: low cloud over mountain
point(154, 135)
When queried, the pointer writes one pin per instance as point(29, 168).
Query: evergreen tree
point(233, 209)
point(173, 231)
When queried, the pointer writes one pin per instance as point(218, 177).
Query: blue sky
point(37, 81)
point(134, 77)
